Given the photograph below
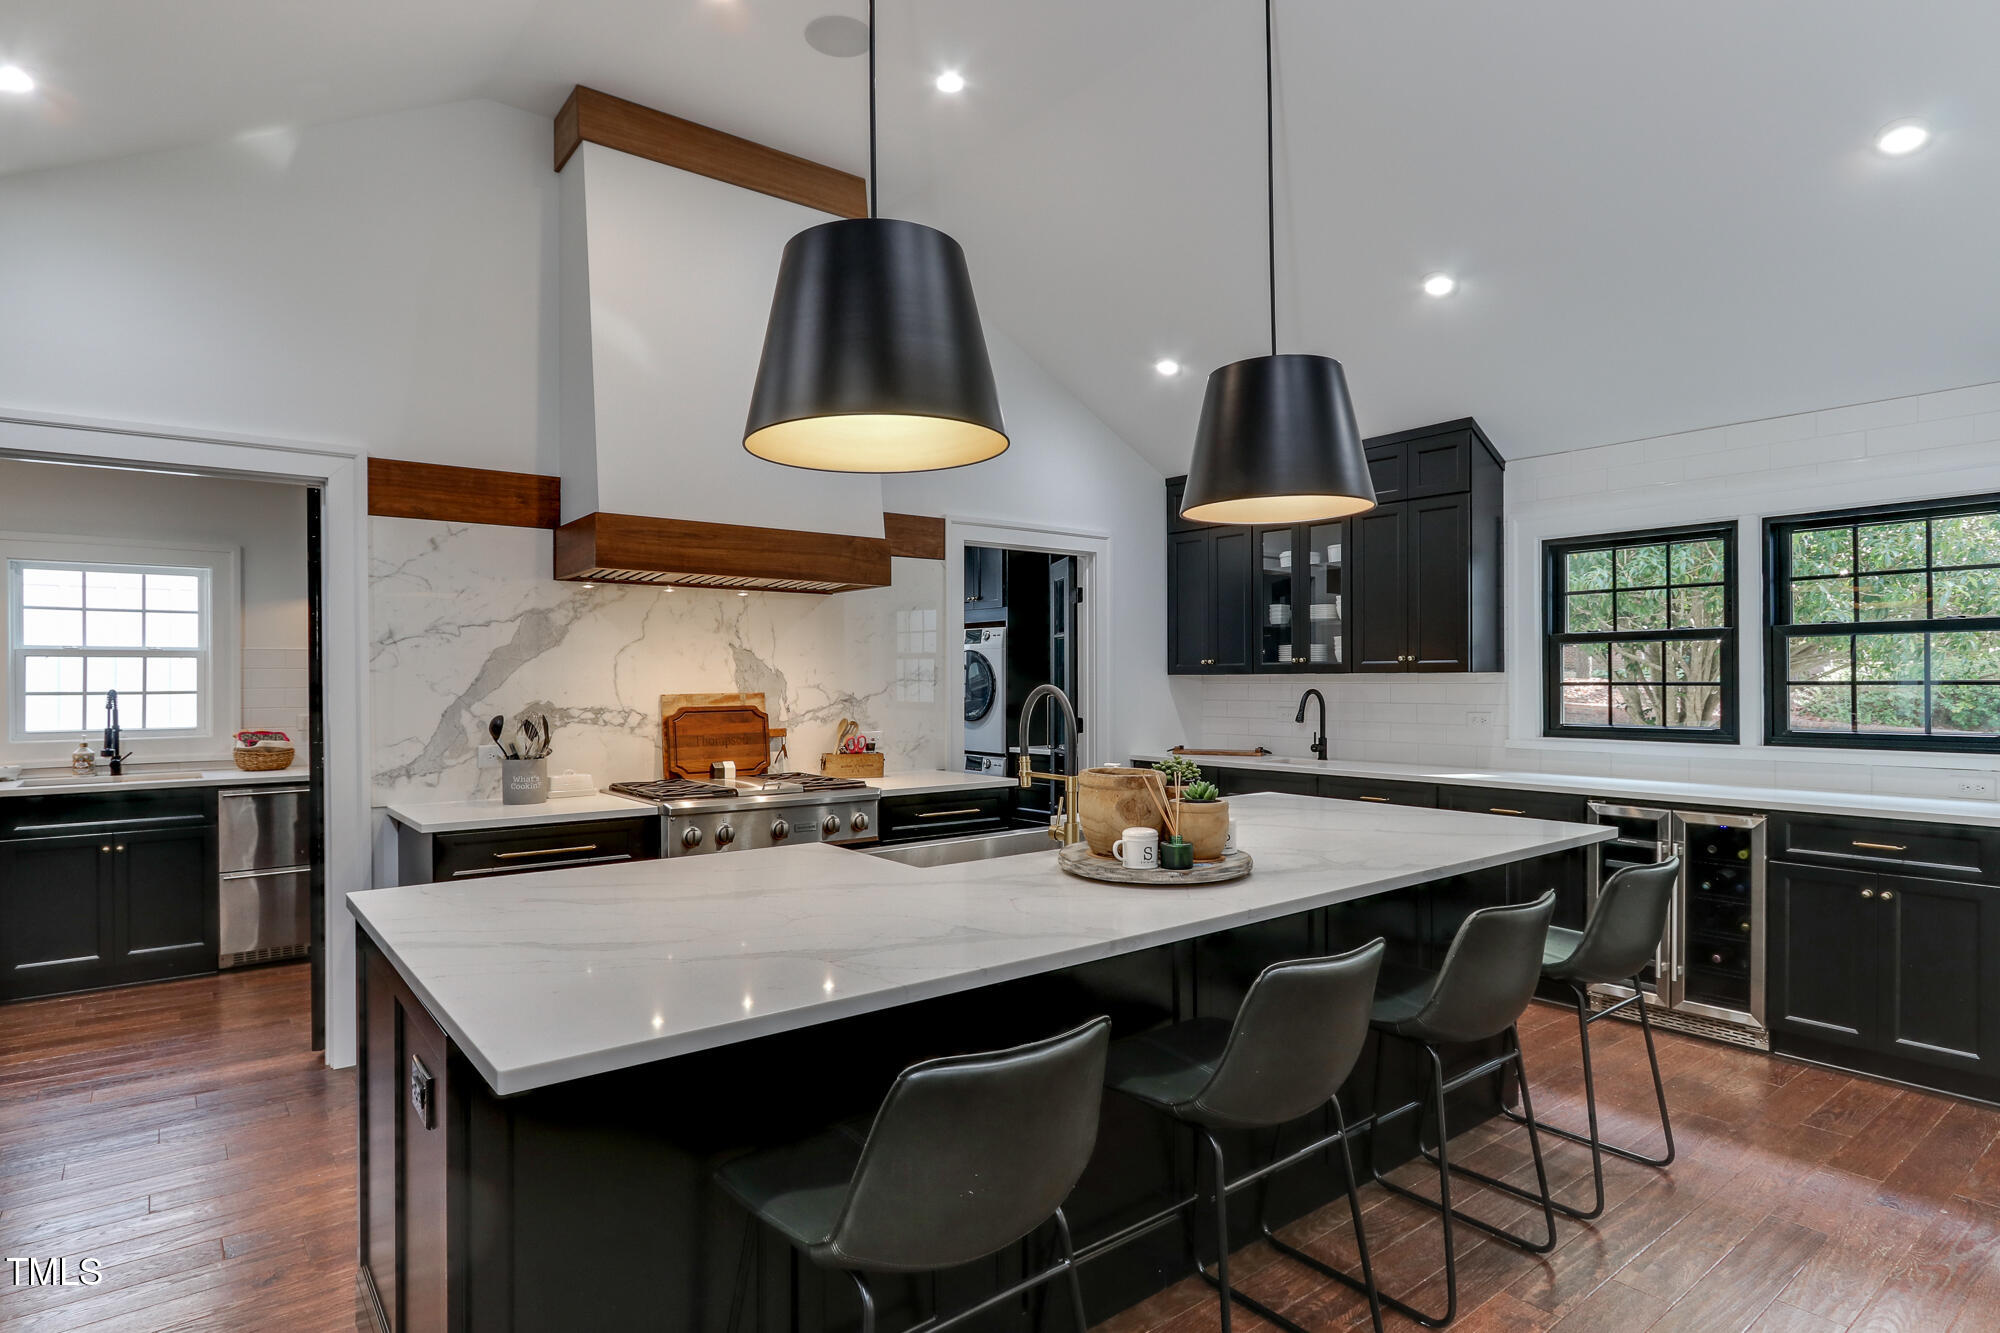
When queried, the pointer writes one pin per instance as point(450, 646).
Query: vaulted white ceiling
point(1662, 216)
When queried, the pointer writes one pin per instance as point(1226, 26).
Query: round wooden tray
point(1077, 859)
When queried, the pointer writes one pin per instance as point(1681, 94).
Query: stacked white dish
point(1281, 613)
point(1324, 611)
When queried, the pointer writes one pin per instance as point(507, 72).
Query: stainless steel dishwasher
point(265, 839)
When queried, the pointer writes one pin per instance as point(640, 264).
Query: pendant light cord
point(871, 112)
point(1270, 180)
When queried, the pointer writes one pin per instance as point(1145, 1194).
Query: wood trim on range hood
point(401, 488)
point(626, 548)
point(590, 116)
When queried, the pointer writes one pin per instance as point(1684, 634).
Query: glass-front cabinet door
point(1300, 598)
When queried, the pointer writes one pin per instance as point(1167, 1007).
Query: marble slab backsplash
point(465, 622)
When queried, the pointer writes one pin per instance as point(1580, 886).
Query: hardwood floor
point(1803, 1201)
point(183, 1135)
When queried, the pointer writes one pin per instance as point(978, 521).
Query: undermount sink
point(72, 779)
point(976, 847)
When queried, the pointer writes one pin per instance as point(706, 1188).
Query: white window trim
point(224, 687)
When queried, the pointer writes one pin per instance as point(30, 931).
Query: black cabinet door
point(1380, 632)
point(166, 895)
point(1388, 469)
point(55, 914)
point(985, 584)
point(1939, 971)
point(1439, 464)
point(1823, 978)
point(1234, 577)
point(1439, 535)
point(1191, 602)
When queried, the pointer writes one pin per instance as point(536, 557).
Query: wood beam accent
point(914, 535)
point(626, 548)
point(400, 488)
point(590, 116)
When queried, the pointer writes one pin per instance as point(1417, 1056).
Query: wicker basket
point(263, 758)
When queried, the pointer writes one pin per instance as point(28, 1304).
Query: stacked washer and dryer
point(986, 699)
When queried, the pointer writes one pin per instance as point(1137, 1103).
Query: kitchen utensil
point(548, 735)
point(495, 727)
point(700, 736)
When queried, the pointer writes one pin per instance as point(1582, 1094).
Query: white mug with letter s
point(1139, 849)
point(1229, 839)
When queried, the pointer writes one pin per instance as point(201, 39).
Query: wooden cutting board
point(705, 729)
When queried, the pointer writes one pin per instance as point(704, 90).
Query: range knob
point(780, 830)
point(724, 835)
point(690, 837)
point(829, 826)
point(860, 823)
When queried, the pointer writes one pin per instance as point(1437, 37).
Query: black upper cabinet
point(985, 584)
point(1411, 585)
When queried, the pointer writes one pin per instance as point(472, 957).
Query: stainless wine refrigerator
point(1708, 975)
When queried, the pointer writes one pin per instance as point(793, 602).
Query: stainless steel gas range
point(774, 810)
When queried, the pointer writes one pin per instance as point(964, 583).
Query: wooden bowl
point(1110, 800)
point(1206, 825)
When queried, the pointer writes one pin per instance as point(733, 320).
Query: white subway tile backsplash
point(1820, 450)
point(1920, 435)
point(1867, 416)
point(1968, 401)
point(1771, 430)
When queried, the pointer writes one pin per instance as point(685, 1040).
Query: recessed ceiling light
point(14, 79)
point(1440, 284)
point(1903, 138)
point(1166, 365)
point(951, 81)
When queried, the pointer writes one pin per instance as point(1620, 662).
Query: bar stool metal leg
point(1366, 1286)
point(1593, 1139)
point(867, 1301)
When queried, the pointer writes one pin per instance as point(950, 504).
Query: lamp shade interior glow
point(876, 442)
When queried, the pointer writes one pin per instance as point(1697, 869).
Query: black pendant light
point(874, 359)
point(1277, 441)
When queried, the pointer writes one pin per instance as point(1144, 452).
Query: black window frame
point(1778, 633)
point(1555, 636)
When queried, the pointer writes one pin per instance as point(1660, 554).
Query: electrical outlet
point(489, 756)
point(1975, 786)
point(1478, 717)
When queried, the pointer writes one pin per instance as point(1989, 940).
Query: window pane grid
point(1889, 628)
point(1641, 639)
point(85, 629)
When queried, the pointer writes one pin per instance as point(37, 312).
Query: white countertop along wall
point(1986, 813)
point(542, 978)
point(140, 781)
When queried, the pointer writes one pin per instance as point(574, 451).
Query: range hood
point(665, 282)
point(628, 548)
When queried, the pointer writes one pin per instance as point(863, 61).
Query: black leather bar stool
point(1613, 948)
point(1479, 993)
point(1293, 1043)
point(967, 1155)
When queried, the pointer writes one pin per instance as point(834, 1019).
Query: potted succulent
point(1203, 819)
point(1179, 772)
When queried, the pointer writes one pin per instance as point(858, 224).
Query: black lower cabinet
point(926, 816)
point(80, 911)
point(1895, 968)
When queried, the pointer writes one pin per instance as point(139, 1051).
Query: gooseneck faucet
point(111, 734)
point(1319, 741)
point(1072, 826)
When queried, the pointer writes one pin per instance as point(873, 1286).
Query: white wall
point(1065, 468)
point(1927, 446)
point(265, 522)
point(386, 282)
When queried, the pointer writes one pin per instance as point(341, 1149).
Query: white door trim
point(341, 473)
point(1097, 653)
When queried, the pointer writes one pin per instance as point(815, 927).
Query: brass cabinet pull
point(1886, 895)
point(1383, 800)
point(1503, 810)
point(544, 851)
point(1868, 893)
point(1881, 846)
point(946, 814)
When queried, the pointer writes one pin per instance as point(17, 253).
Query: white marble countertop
point(462, 816)
point(934, 780)
point(162, 779)
point(547, 977)
point(1980, 812)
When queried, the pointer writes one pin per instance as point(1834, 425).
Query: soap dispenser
point(83, 760)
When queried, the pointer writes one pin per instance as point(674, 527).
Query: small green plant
point(1200, 792)
point(1179, 771)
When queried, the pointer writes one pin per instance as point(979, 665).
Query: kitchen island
point(551, 1064)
